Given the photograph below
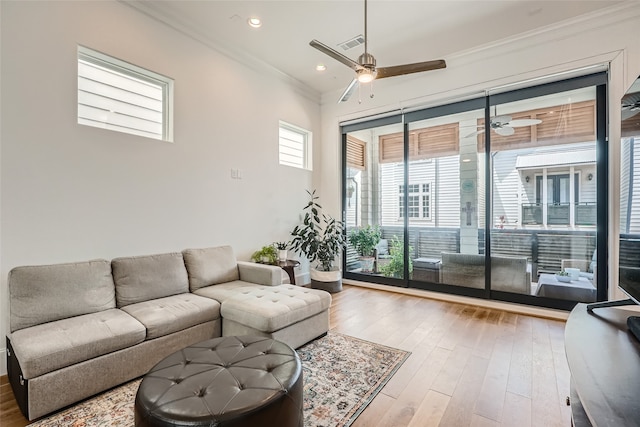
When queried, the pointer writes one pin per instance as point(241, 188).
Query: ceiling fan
point(630, 105)
point(504, 125)
point(365, 67)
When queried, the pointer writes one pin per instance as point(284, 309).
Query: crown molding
point(609, 16)
point(157, 11)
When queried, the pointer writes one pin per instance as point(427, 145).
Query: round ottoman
point(228, 381)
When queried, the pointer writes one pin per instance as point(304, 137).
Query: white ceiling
point(399, 31)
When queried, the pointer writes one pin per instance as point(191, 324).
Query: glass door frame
point(488, 101)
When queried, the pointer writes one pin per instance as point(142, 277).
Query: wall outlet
point(236, 173)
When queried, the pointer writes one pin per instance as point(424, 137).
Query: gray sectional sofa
point(79, 329)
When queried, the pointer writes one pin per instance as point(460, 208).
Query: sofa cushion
point(45, 293)
point(270, 308)
point(54, 345)
point(210, 266)
point(224, 291)
point(148, 277)
point(164, 316)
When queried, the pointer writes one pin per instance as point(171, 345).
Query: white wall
point(73, 193)
point(604, 37)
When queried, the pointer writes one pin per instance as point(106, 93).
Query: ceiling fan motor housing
point(367, 60)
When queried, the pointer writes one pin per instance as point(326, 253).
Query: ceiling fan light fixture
point(366, 75)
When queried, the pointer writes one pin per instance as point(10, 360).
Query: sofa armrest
point(262, 274)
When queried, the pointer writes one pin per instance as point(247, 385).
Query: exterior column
point(469, 195)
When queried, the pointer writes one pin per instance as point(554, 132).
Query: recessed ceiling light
point(321, 67)
point(254, 22)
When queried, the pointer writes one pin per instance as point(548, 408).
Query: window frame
point(306, 144)
point(132, 71)
point(421, 195)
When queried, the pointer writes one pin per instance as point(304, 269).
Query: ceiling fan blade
point(335, 55)
point(476, 133)
point(348, 91)
point(631, 99)
point(523, 122)
point(417, 67)
point(505, 131)
point(627, 114)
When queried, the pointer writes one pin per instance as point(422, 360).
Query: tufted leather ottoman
point(228, 381)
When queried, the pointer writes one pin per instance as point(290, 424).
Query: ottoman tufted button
point(274, 406)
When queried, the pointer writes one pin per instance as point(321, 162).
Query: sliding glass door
point(446, 172)
point(374, 173)
point(494, 197)
point(543, 146)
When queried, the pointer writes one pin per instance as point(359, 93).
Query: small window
point(119, 96)
point(295, 146)
point(419, 201)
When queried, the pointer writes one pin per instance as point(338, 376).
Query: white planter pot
point(330, 281)
point(282, 254)
point(366, 262)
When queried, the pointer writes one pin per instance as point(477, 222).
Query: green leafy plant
point(266, 255)
point(320, 237)
point(281, 245)
point(562, 273)
point(395, 267)
point(365, 239)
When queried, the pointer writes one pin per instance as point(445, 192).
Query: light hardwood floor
point(469, 366)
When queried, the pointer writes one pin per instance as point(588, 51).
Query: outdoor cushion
point(224, 291)
point(210, 266)
point(54, 345)
point(164, 316)
point(382, 248)
point(269, 309)
point(143, 278)
point(45, 293)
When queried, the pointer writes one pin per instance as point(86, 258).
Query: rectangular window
point(116, 95)
point(418, 202)
point(294, 146)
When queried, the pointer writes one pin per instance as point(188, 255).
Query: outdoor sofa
point(79, 329)
point(508, 274)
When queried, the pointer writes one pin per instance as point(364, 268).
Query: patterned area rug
point(342, 375)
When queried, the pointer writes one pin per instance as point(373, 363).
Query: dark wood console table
point(604, 360)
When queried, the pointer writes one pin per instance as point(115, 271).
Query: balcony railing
point(559, 214)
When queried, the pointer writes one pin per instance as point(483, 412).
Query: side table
point(288, 266)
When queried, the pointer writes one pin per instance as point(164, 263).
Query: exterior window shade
point(118, 96)
point(425, 143)
point(356, 153)
point(294, 146)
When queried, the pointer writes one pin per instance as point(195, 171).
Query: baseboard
point(3, 362)
point(303, 279)
point(547, 313)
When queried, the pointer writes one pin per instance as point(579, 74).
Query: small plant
point(395, 268)
point(562, 273)
point(281, 245)
point(266, 255)
point(365, 239)
point(320, 236)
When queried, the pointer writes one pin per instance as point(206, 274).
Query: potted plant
point(320, 239)
point(266, 255)
point(282, 250)
point(364, 241)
